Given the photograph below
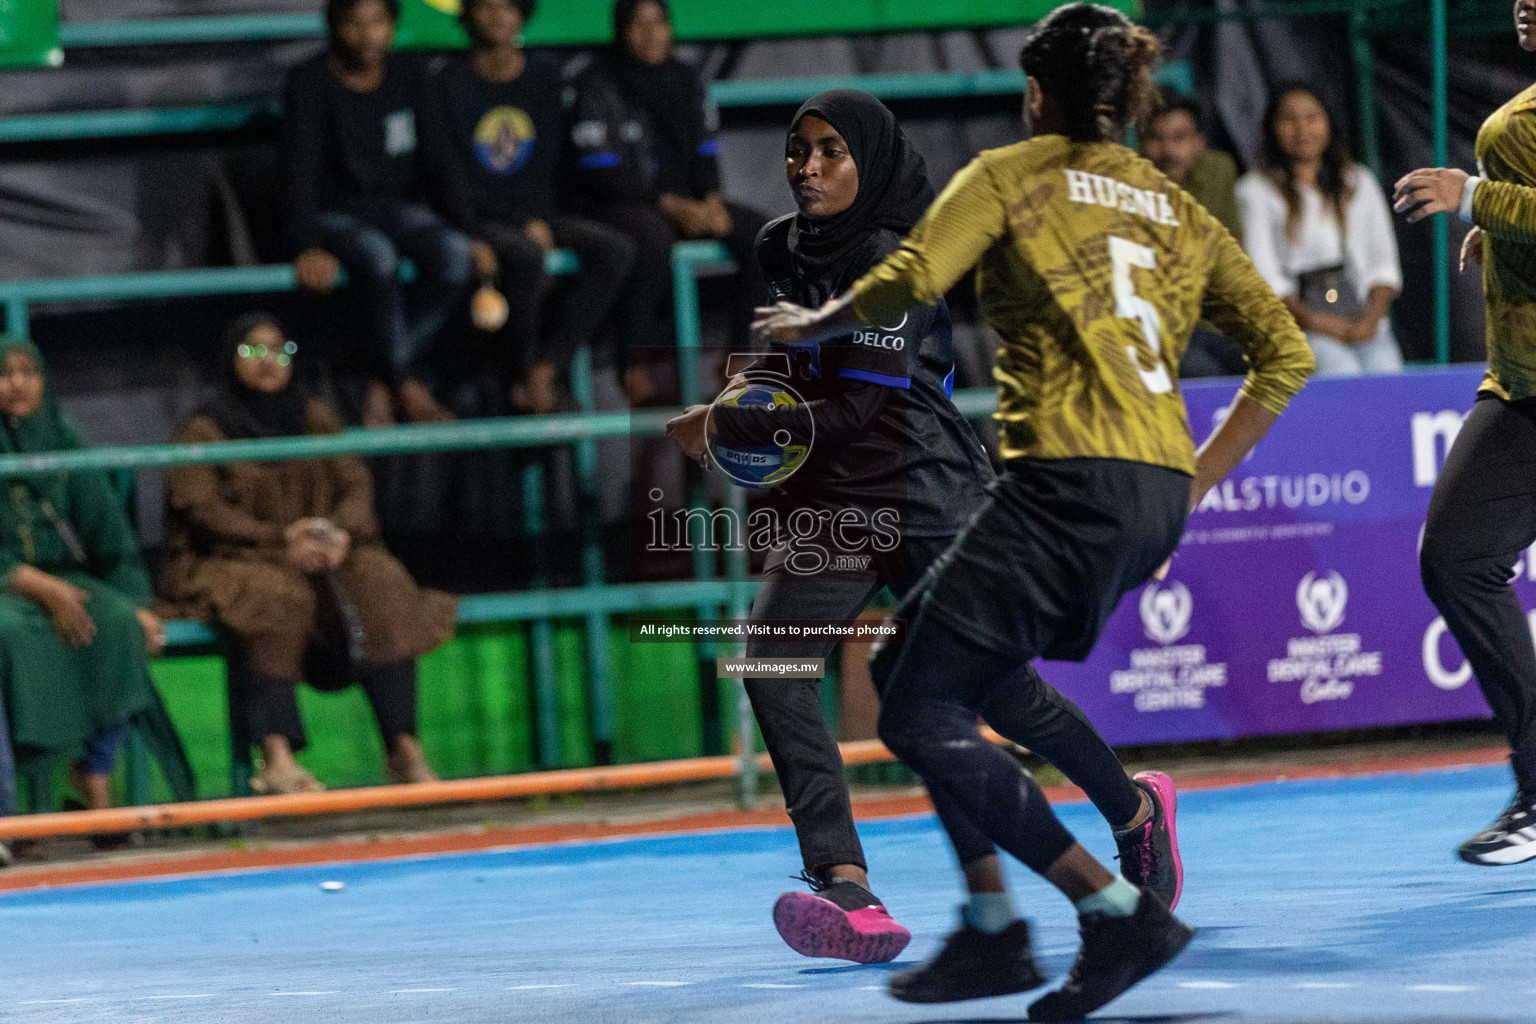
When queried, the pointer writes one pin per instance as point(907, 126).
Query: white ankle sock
point(1117, 899)
point(989, 912)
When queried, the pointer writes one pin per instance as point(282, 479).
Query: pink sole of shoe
point(812, 926)
point(1169, 797)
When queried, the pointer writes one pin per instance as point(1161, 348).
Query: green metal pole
point(17, 321)
point(593, 571)
point(1364, 57)
point(541, 634)
point(690, 339)
point(1442, 221)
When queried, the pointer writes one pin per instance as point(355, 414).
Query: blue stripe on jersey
point(884, 380)
point(709, 147)
point(599, 160)
point(949, 382)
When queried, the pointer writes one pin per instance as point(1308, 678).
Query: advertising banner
point(1294, 603)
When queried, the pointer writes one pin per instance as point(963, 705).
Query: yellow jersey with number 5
point(1093, 268)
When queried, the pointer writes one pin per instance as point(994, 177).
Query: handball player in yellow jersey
point(1093, 268)
point(1483, 512)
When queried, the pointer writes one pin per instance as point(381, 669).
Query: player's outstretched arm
point(1244, 308)
point(1505, 210)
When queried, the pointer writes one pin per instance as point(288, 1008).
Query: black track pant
point(805, 755)
point(1481, 517)
point(271, 707)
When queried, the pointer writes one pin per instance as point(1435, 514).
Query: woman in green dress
point(76, 632)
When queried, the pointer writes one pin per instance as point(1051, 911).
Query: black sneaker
point(1117, 953)
point(973, 965)
point(1149, 853)
point(1509, 840)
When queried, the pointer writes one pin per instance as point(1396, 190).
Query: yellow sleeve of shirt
point(1504, 208)
point(1241, 305)
point(961, 225)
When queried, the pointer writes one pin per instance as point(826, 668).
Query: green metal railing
point(735, 93)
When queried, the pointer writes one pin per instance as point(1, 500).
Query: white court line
point(769, 984)
point(55, 1002)
point(1324, 984)
point(525, 988)
point(1209, 984)
point(871, 988)
point(328, 992)
point(655, 984)
point(408, 991)
point(191, 995)
point(1442, 988)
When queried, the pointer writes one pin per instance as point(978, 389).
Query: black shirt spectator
point(505, 120)
point(507, 135)
point(362, 158)
point(645, 159)
point(362, 153)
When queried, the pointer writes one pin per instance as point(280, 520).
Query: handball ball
point(760, 466)
point(488, 308)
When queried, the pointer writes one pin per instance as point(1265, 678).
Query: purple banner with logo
point(1294, 603)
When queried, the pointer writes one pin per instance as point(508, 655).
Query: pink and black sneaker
point(1149, 853)
point(842, 920)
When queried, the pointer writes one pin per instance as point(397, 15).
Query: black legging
point(271, 708)
point(934, 687)
point(580, 305)
point(1481, 517)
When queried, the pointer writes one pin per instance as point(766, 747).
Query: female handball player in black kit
point(885, 440)
point(1094, 269)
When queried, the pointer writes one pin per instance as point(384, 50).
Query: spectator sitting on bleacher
point(507, 130)
point(76, 632)
point(285, 558)
point(646, 161)
point(362, 156)
point(1319, 230)
point(1174, 141)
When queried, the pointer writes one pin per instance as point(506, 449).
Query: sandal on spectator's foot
point(280, 781)
point(405, 771)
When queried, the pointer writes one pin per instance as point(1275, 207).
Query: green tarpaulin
point(29, 33)
point(434, 23)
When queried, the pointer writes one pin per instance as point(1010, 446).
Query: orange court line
point(505, 838)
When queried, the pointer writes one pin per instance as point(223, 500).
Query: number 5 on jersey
point(1123, 255)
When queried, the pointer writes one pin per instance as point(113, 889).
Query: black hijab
point(242, 412)
point(893, 181)
point(665, 91)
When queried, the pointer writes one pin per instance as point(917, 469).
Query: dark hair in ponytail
point(1096, 65)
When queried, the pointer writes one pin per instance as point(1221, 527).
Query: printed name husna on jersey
point(1097, 190)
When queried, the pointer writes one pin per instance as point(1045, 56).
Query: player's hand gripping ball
point(758, 467)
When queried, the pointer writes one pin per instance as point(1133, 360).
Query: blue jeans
point(398, 327)
point(7, 769)
point(101, 751)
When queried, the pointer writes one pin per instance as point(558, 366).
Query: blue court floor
point(1333, 900)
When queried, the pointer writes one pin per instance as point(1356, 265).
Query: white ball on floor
point(333, 886)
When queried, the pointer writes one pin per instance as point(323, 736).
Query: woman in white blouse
point(1318, 229)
